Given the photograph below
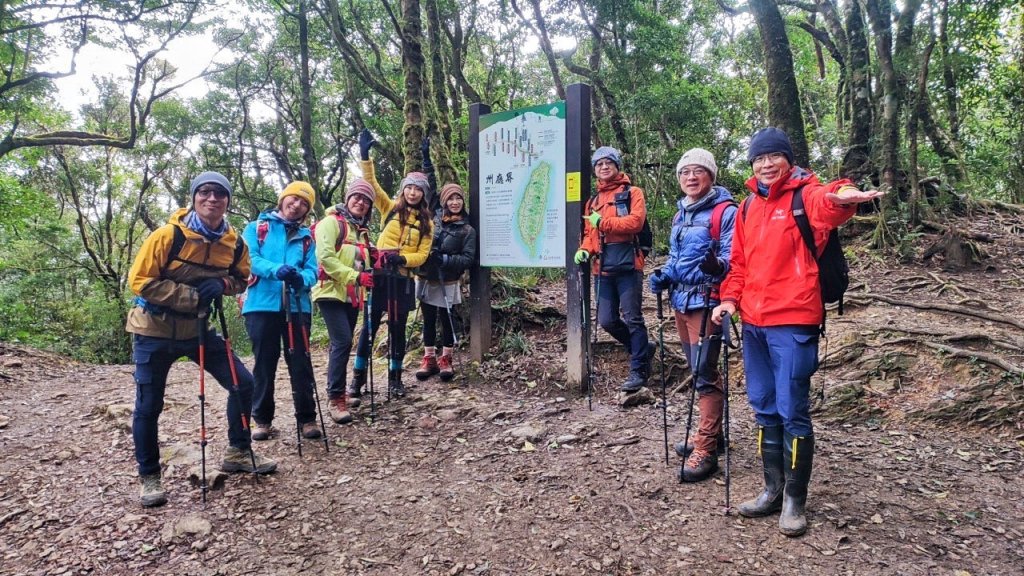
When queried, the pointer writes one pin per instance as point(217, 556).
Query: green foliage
point(668, 76)
point(51, 309)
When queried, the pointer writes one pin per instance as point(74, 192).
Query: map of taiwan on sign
point(522, 187)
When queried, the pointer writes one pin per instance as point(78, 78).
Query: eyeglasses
point(769, 157)
point(215, 191)
point(696, 172)
point(604, 164)
point(361, 199)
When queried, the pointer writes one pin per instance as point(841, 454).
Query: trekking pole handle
point(726, 326)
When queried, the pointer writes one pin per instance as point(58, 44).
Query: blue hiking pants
point(779, 362)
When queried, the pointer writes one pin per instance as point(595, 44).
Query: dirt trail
point(443, 483)
point(514, 475)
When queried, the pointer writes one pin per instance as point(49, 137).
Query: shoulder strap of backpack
point(177, 243)
point(262, 229)
point(802, 222)
point(342, 231)
point(307, 243)
point(239, 245)
point(716, 218)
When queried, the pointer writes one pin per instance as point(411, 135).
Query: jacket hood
point(715, 196)
point(797, 177)
point(616, 183)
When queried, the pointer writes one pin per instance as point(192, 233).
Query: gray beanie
point(699, 157)
point(417, 179)
point(208, 178)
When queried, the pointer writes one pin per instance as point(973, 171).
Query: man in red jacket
point(773, 281)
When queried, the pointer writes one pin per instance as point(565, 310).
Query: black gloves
point(209, 289)
point(392, 259)
point(433, 260)
point(425, 152)
point(710, 265)
point(295, 280)
point(284, 271)
point(366, 141)
point(659, 281)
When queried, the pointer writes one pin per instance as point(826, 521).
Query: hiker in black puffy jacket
point(438, 281)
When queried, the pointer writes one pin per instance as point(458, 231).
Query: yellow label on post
point(572, 187)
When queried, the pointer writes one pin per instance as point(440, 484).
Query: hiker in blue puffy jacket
point(699, 248)
point(283, 266)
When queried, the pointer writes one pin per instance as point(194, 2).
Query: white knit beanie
point(698, 157)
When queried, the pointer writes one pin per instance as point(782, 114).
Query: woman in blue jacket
point(699, 248)
point(283, 270)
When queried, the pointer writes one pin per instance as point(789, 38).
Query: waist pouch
point(618, 258)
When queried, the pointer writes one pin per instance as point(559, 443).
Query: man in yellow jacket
point(181, 269)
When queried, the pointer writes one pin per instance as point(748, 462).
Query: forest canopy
point(920, 97)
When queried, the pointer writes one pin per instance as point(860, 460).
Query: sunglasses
point(217, 192)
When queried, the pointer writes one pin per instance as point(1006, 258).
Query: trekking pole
point(389, 301)
point(451, 322)
point(585, 305)
point(597, 318)
point(234, 384)
point(726, 344)
point(203, 318)
point(290, 322)
point(368, 326)
point(309, 365)
point(696, 370)
point(661, 347)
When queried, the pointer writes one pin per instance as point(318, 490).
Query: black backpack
point(644, 240)
point(833, 270)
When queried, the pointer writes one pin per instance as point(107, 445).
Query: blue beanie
point(209, 178)
point(609, 153)
point(768, 140)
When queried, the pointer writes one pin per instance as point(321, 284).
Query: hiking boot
point(261, 432)
point(636, 380)
point(239, 460)
point(309, 431)
point(354, 390)
point(684, 450)
point(445, 366)
point(699, 466)
point(770, 500)
point(152, 493)
point(428, 368)
point(395, 386)
point(338, 409)
point(798, 459)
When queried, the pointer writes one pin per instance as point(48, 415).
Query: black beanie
point(768, 140)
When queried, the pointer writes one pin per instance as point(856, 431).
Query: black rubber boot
point(395, 385)
point(354, 391)
point(769, 501)
point(798, 460)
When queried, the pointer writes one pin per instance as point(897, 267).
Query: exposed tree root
point(965, 311)
point(996, 206)
point(976, 355)
point(979, 236)
point(979, 337)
